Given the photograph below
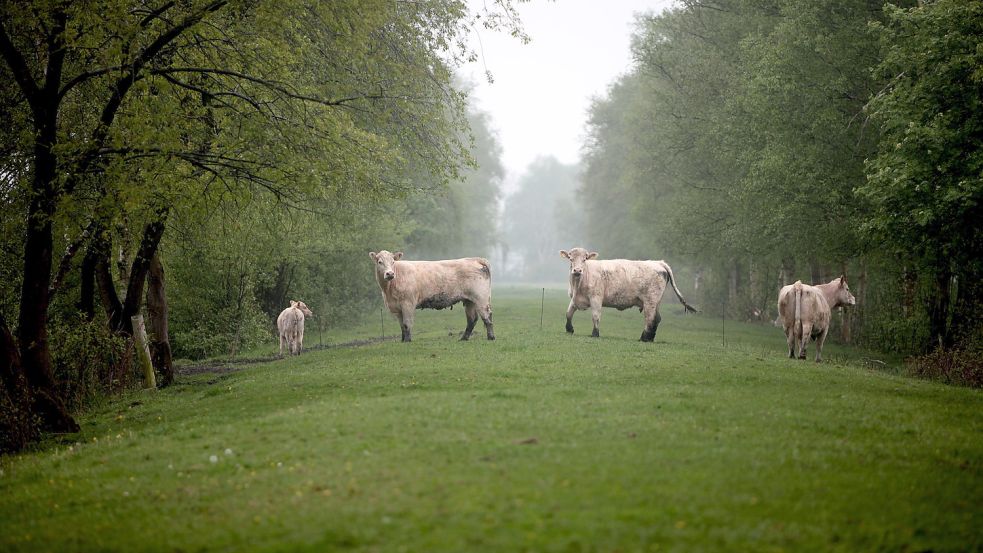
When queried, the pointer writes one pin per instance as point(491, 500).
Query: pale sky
point(541, 92)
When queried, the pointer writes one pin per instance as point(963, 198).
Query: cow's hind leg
point(571, 309)
point(651, 326)
point(790, 339)
point(804, 339)
point(486, 317)
point(471, 312)
point(283, 340)
point(820, 340)
point(595, 315)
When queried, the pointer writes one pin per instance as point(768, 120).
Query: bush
point(89, 361)
point(961, 367)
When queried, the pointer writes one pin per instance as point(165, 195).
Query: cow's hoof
point(492, 337)
point(569, 328)
point(465, 337)
point(802, 357)
point(595, 334)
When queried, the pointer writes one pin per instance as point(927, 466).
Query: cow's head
point(385, 263)
point(578, 260)
point(843, 295)
point(303, 308)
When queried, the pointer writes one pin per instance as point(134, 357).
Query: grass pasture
point(538, 441)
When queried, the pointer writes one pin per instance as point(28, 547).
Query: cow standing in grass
point(805, 312)
point(290, 325)
point(410, 285)
point(618, 283)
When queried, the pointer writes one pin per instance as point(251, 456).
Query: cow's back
point(440, 284)
point(813, 310)
point(290, 321)
point(624, 283)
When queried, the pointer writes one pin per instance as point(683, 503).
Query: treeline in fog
point(761, 142)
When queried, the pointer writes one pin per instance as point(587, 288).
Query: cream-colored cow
point(618, 283)
point(290, 324)
point(805, 312)
point(410, 285)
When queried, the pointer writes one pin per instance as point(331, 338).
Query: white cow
point(290, 325)
point(618, 283)
point(410, 285)
point(805, 312)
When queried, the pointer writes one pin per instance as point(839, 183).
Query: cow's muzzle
point(390, 276)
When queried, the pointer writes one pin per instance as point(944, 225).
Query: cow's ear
point(397, 256)
point(372, 255)
point(591, 255)
point(564, 254)
point(293, 303)
point(842, 281)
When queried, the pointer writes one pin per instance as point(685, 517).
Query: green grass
point(538, 441)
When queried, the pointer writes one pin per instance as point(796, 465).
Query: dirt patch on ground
point(232, 365)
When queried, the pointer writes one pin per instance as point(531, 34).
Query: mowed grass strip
point(538, 441)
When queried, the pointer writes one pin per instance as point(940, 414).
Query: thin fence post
point(320, 337)
point(382, 321)
point(723, 320)
point(542, 305)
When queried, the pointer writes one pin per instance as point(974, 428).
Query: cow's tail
point(485, 266)
point(672, 281)
point(798, 306)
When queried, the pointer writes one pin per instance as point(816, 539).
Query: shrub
point(962, 367)
point(89, 361)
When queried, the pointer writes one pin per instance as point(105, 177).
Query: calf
point(618, 283)
point(805, 312)
point(290, 324)
point(410, 285)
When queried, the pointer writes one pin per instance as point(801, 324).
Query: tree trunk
point(17, 426)
point(87, 289)
point(160, 345)
point(938, 308)
point(119, 312)
point(32, 328)
point(816, 273)
point(846, 318)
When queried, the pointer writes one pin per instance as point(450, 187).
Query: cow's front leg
point(571, 309)
point(595, 315)
point(471, 313)
point(652, 320)
point(819, 345)
point(406, 324)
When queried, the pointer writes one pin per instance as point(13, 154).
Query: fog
point(538, 105)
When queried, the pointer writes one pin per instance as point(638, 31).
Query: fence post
point(723, 320)
point(143, 351)
point(542, 304)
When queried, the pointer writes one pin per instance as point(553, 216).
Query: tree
point(925, 183)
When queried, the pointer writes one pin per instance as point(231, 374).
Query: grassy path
point(538, 441)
